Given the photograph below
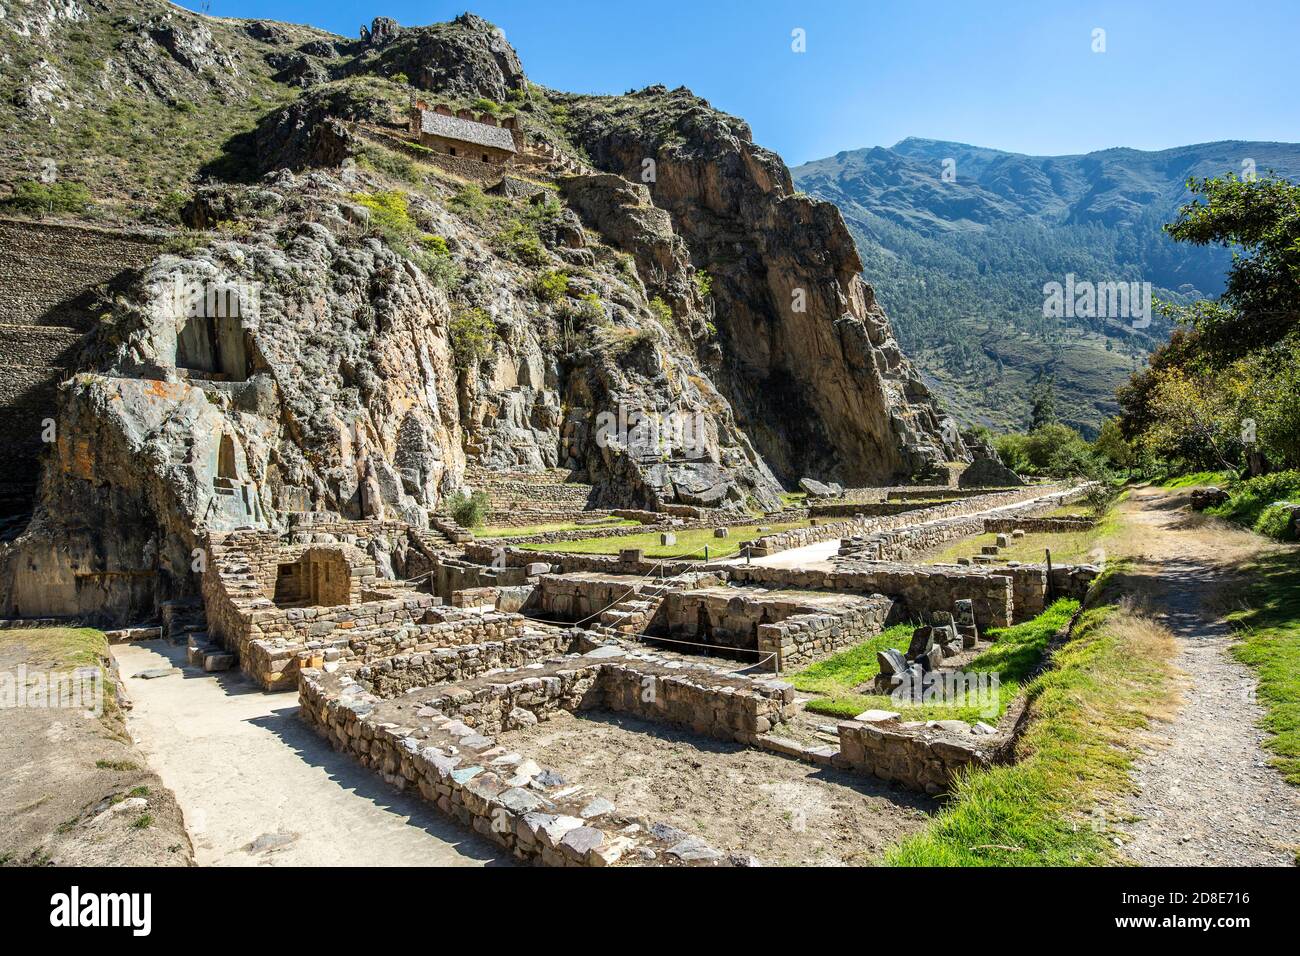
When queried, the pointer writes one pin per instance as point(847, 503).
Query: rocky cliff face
point(343, 327)
point(804, 352)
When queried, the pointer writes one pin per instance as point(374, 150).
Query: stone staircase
point(185, 622)
point(633, 614)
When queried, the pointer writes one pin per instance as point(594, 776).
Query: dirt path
point(259, 788)
point(1207, 795)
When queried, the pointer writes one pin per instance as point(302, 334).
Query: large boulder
point(987, 473)
point(817, 489)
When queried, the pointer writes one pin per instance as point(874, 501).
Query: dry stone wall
point(798, 537)
point(920, 590)
point(49, 275)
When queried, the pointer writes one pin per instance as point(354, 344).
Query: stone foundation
point(440, 741)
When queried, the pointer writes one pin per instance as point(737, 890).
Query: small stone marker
point(721, 532)
point(667, 538)
point(1018, 533)
point(1003, 541)
point(989, 549)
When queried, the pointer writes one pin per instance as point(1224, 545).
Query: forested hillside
point(960, 240)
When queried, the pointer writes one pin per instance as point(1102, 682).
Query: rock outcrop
point(351, 328)
point(805, 352)
point(467, 57)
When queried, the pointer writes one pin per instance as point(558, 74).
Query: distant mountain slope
point(960, 260)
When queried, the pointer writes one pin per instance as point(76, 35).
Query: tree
point(1260, 221)
point(1042, 403)
point(1112, 446)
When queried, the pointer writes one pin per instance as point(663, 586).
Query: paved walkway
point(258, 787)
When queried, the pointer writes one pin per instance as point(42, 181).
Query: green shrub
point(32, 197)
point(551, 286)
point(485, 105)
point(520, 242)
point(473, 335)
point(704, 284)
point(590, 309)
point(469, 510)
point(1275, 522)
point(390, 213)
point(1252, 501)
point(662, 311)
point(434, 245)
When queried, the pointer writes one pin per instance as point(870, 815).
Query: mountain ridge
point(961, 262)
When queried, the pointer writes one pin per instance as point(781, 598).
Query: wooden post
point(1049, 575)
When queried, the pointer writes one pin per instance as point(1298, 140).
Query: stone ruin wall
point(273, 642)
point(920, 590)
point(798, 537)
point(901, 543)
point(801, 639)
point(391, 676)
point(49, 273)
point(1038, 525)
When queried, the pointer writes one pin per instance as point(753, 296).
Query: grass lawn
point(1018, 650)
point(504, 532)
point(1105, 688)
point(1068, 547)
point(1270, 630)
point(1196, 479)
point(690, 543)
point(65, 649)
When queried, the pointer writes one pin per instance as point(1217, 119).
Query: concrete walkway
point(259, 788)
point(813, 557)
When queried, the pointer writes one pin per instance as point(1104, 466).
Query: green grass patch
point(1196, 479)
point(66, 649)
point(1251, 504)
point(122, 766)
point(1270, 644)
point(690, 543)
point(1068, 547)
point(1013, 657)
point(507, 532)
point(1106, 685)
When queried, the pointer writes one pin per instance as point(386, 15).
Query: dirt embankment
point(74, 790)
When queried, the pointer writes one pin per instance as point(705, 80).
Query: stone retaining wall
point(801, 639)
point(902, 543)
point(390, 676)
point(798, 537)
point(921, 589)
point(51, 276)
point(1039, 525)
point(466, 774)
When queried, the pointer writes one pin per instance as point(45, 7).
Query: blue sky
point(1014, 74)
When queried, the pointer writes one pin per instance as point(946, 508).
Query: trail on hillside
point(1206, 794)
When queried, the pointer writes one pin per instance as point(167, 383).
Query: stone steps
point(203, 652)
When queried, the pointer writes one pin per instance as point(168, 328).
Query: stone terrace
point(441, 741)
